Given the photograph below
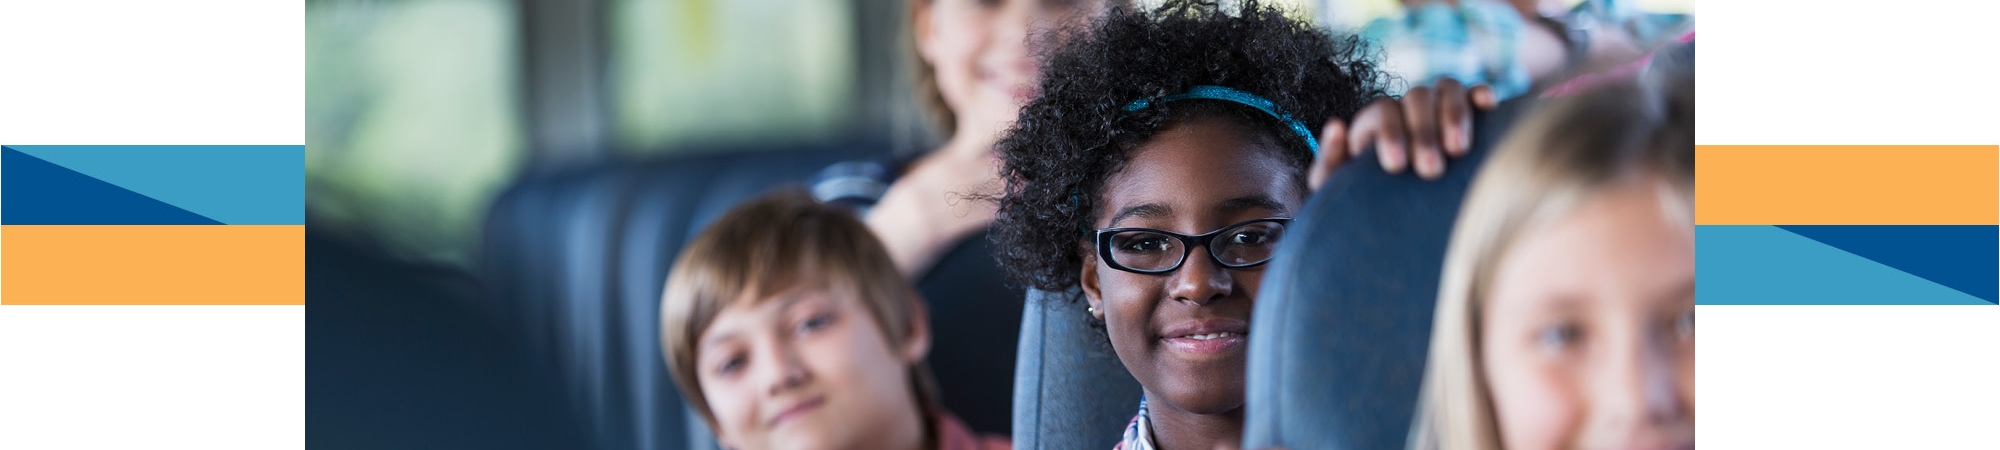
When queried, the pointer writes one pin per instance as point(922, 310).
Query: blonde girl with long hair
point(1566, 310)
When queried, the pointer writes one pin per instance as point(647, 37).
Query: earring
point(1091, 309)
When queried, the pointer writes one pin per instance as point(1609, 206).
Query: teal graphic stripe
point(232, 184)
point(1767, 265)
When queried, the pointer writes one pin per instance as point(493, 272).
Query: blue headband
point(1225, 94)
point(1232, 95)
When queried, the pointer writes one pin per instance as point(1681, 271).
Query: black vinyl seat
point(399, 357)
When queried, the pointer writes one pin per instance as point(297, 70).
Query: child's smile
point(1200, 338)
point(797, 410)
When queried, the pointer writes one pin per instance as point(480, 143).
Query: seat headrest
point(1070, 390)
point(1343, 320)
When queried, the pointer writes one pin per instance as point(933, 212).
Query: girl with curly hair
point(1159, 168)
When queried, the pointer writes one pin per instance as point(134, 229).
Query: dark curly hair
point(1077, 134)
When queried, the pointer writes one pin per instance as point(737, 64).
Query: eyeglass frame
point(1188, 243)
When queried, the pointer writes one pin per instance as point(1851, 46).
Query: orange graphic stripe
point(1847, 185)
point(152, 264)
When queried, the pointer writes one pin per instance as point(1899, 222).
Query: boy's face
point(1588, 331)
point(1193, 178)
point(808, 369)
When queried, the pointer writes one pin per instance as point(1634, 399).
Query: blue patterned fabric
point(1474, 42)
point(1138, 434)
point(1479, 41)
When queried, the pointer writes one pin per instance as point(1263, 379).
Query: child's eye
point(1149, 245)
point(1142, 242)
point(1685, 324)
point(731, 365)
point(815, 323)
point(1249, 238)
point(1559, 337)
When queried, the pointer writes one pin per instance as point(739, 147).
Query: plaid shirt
point(1138, 435)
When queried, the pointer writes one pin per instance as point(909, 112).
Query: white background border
point(1848, 377)
point(232, 72)
point(162, 73)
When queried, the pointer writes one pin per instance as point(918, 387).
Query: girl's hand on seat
point(1421, 129)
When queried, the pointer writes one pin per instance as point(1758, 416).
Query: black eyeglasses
point(1146, 250)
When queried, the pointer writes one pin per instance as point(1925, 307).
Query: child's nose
point(1642, 386)
point(786, 370)
point(1017, 16)
point(1200, 280)
point(1010, 34)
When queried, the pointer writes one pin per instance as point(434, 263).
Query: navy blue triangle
point(1962, 257)
point(38, 192)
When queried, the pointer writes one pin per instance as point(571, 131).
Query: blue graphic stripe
point(37, 192)
point(1768, 265)
point(1961, 257)
point(232, 184)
